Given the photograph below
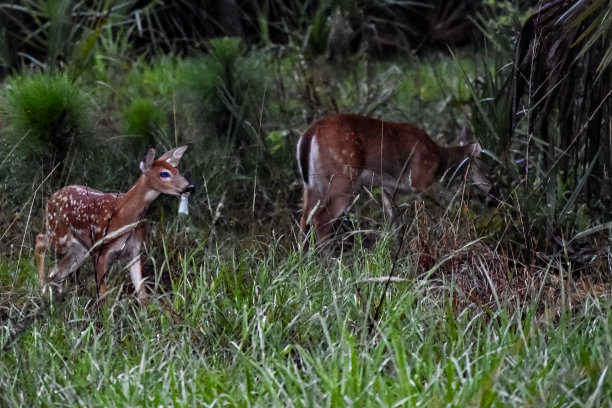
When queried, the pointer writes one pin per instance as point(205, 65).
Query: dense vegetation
point(467, 300)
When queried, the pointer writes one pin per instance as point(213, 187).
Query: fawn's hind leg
point(70, 262)
point(39, 256)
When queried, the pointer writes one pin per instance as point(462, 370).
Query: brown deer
point(338, 154)
point(83, 222)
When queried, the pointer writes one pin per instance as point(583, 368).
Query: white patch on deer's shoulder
point(313, 160)
point(63, 240)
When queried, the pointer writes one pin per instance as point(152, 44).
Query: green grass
point(276, 327)
point(240, 316)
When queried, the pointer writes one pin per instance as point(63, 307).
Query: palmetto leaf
point(562, 84)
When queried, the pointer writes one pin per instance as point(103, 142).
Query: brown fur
point(338, 154)
point(83, 222)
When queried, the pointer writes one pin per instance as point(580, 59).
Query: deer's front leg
point(102, 264)
point(136, 275)
point(387, 200)
point(135, 265)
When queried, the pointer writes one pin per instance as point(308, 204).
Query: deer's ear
point(467, 136)
point(148, 162)
point(172, 157)
point(476, 149)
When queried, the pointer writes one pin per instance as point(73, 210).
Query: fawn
point(83, 222)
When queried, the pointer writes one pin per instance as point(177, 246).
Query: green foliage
point(52, 33)
point(143, 120)
point(319, 29)
point(239, 314)
point(17, 274)
point(274, 327)
point(48, 115)
point(226, 86)
point(550, 136)
point(277, 141)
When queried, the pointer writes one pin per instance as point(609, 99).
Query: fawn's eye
point(164, 174)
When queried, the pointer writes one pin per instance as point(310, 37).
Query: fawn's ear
point(172, 157)
point(148, 162)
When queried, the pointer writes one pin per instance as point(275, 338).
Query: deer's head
point(162, 174)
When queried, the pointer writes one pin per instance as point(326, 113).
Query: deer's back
point(81, 213)
point(389, 148)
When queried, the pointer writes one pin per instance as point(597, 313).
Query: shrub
point(143, 120)
point(225, 87)
point(47, 114)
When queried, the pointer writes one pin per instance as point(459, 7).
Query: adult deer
point(338, 154)
point(83, 222)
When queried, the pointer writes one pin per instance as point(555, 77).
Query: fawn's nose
point(189, 189)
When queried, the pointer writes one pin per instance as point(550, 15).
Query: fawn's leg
point(39, 256)
point(74, 257)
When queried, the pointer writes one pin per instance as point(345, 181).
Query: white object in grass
point(183, 209)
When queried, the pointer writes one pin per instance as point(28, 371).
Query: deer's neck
point(135, 202)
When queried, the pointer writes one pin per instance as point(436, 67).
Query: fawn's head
point(162, 174)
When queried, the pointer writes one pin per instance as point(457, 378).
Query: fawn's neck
point(135, 202)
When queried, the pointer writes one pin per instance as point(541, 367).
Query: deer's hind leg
point(39, 256)
point(339, 193)
point(73, 257)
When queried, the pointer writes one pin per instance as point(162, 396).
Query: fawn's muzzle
point(189, 189)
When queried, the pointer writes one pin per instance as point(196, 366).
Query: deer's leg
point(39, 256)
point(339, 194)
point(102, 264)
point(136, 265)
point(74, 257)
point(387, 201)
point(136, 275)
point(311, 199)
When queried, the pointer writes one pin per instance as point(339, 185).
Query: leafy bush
point(143, 120)
point(48, 115)
point(225, 87)
point(52, 34)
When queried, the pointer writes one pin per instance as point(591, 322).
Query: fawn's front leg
point(102, 263)
point(135, 265)
point(136, 275)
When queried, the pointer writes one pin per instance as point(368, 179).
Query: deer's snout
point(188, 190)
